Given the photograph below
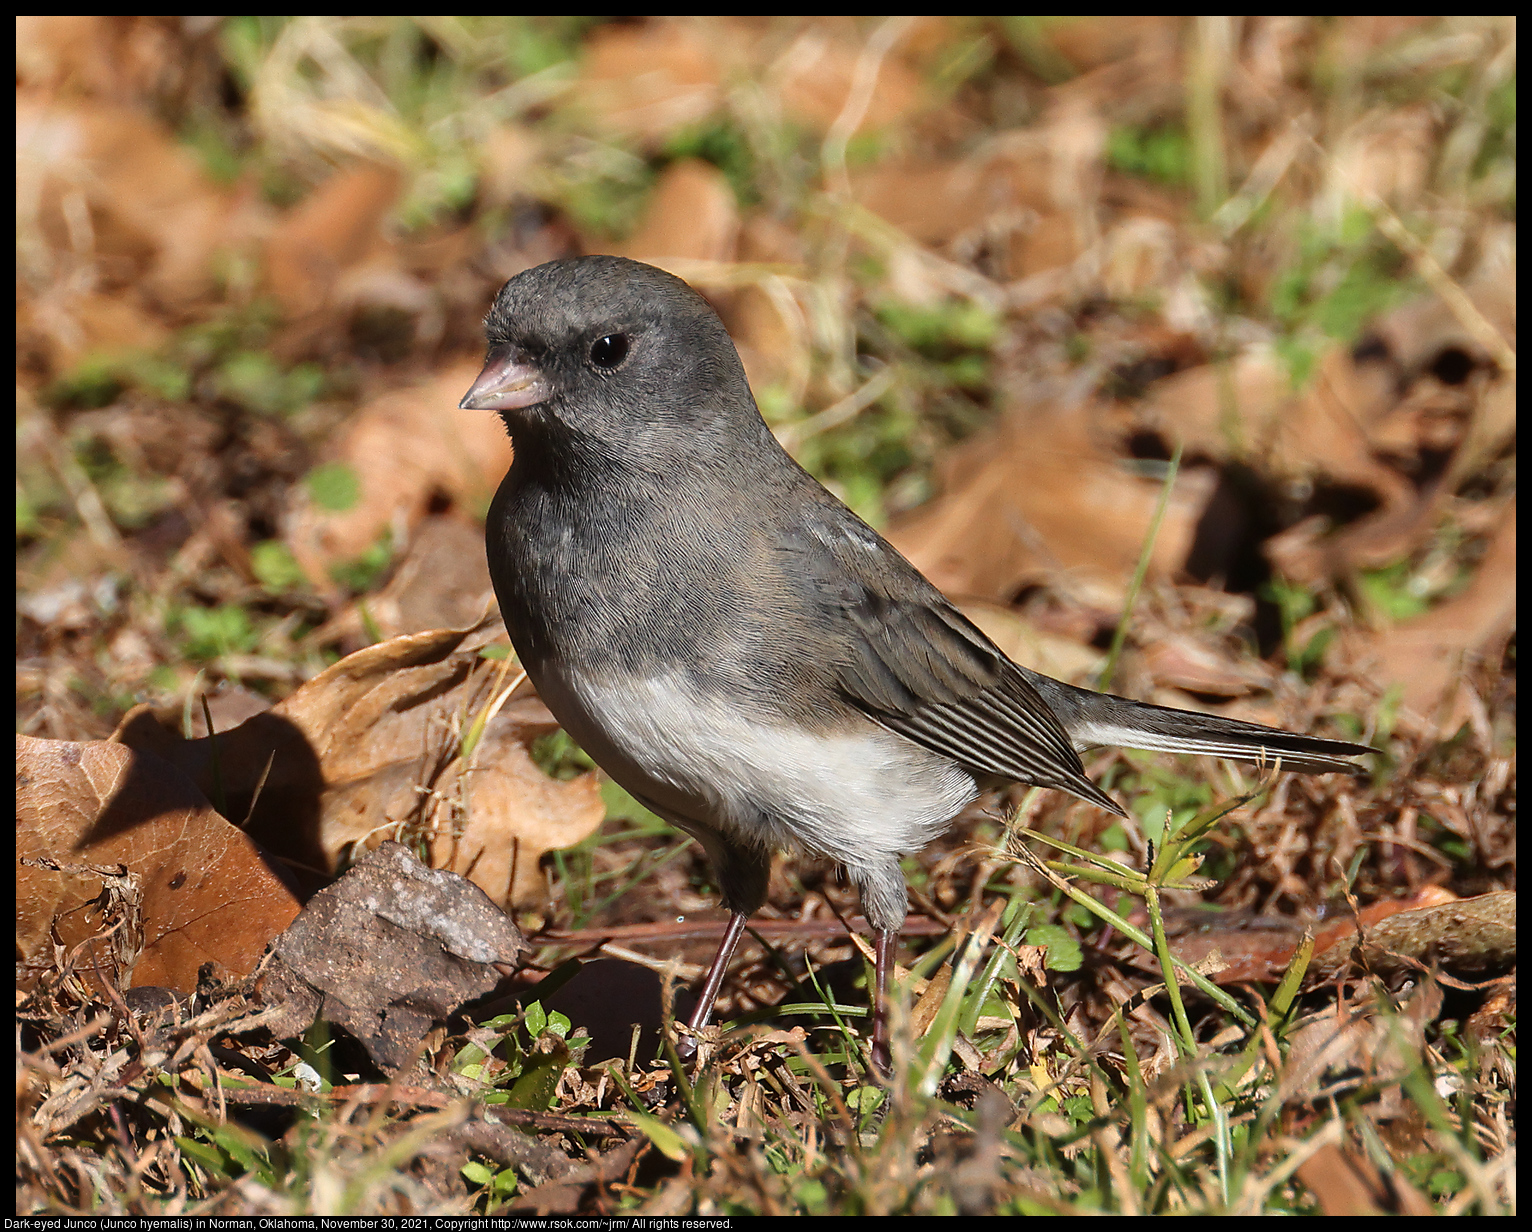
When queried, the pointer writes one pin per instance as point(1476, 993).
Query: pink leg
point(703, 1013)
point(882, 972)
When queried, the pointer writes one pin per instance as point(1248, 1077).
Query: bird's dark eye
point(609, 351)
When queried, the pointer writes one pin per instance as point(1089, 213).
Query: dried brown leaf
point(649, 80)
point(209, 894)
point(370, 749)
point(403, 446)
point(509, 814)
point(815, 76)
point(692, 216)
point(1358, 1042)
point(1345, 1182)
point(1089, 43)
point(335, 229)
point(155, 217)
point(65, 325)
point(442, 582)
point(1260, 948)
point(1041, 500)
point(1428, 656)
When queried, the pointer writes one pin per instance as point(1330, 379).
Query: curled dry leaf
point(1087, 44)
point(1370, 418)
point(1020, 197)
point(1357, 1043)
point(55, 50)
point(370, 749)
point(505, 814)
point(208, 892)
point(107, 191)
point(936, 203)
point(65, 326)
point(1475, 428)
point(506, 156)
point(1248, 408)
point(1386, 154)
point(647, 81)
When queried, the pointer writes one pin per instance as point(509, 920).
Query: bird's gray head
point(612, 355)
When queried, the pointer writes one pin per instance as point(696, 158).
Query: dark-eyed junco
point(733, 645)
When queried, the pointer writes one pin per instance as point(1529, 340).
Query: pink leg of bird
point(884, 945)
point(703, 1013)
point(882, 973)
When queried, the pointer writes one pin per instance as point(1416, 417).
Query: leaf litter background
point(986, 277)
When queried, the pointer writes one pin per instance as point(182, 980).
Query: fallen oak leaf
point(208, 893)
point(371, 749)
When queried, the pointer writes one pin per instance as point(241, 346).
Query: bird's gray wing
point(902, 654)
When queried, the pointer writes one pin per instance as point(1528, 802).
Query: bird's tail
point(1094, 719)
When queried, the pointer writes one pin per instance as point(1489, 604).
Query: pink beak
point(509, 381)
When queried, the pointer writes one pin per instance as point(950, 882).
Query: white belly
point(861, 798)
